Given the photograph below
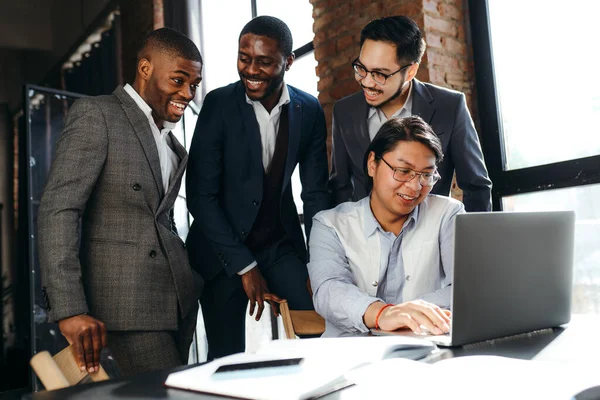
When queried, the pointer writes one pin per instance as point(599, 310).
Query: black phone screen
point(259, 364)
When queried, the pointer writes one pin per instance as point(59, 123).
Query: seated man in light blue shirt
point(386, 261)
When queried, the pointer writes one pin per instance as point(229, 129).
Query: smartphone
point(258, 368)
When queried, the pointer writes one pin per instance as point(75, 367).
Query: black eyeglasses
point(407, 175)
point(379, 77)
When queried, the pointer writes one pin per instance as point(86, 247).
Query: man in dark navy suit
point(246, 239)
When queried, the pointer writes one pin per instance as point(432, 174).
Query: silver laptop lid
point(513, 273)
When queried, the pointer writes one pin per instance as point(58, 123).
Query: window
point(585, 201)
point(539, 104)
point(302, 74)
point(297, 14)
point(539, 126)
point(220, 32)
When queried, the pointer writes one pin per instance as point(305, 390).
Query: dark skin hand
point(257, 291)
point(87, 335)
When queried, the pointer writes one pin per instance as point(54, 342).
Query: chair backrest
point(61, 370)
point(299, 322)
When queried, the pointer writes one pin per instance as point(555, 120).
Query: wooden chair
point(61, 370)
point(299, 322)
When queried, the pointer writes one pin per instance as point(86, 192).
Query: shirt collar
point(283, 99)
point(371, 223)
point(407, 106)
point(146, 109)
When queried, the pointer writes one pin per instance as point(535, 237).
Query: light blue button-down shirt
point(392, 276)
point(336, 294)
point(376, 117)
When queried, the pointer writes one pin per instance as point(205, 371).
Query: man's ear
point(412, 72)
point(144, 69)
point(289, 61)
point(371, 164)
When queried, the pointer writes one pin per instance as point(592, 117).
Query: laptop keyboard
point(486, 343)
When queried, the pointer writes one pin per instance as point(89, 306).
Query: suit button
point(375, 283)
point(408, 277)
point(255, 202)
point(152, 254)
point(243, 232)
point(185, 246)
point(137, 187)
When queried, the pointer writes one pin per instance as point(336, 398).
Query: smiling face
point(393, 201)
point(261, 66)
point(167, 84)
point(381, 57)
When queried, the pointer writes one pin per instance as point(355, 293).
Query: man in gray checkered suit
point(114, 270)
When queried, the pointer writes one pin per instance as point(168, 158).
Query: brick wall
point(138, 18)
point(337, 25)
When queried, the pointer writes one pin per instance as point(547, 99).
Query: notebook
point(325, 363)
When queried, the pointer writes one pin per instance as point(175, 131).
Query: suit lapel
point(183, 158)
point(294, 133)
point(360, 119)
point(422, 102)
point(141, 127)
point(250, 124)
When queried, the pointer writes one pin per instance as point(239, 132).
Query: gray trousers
point(140, 351)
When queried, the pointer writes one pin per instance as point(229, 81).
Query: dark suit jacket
point(446, 111)
point(225, 177)
point(126, 268)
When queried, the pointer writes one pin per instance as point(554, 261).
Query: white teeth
point(370, 93)
point(407, 197)
point(178, 105)
point(254, 83)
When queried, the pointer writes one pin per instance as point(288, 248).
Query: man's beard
point(272, 88)
point(393, 97)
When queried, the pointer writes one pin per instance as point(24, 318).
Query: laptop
point(513, 274)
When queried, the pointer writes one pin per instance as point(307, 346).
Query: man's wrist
point(248, 268)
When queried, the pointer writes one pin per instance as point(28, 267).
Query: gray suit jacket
point(106, 242)
point(446, 111)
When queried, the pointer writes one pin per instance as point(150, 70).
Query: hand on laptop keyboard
point(417, 315)
point(427, 332)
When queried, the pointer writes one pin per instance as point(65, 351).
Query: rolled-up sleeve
point(335, 294)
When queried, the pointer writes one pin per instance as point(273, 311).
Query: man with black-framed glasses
point(386, 262)
point(390, 54)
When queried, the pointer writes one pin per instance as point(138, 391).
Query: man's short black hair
point(273, 28)
point(400, 31)
point(171, 42)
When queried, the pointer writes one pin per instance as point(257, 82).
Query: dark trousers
point(224, 300)
point(141, 351)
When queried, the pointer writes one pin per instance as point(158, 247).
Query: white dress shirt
point(269, 124)
point(169, 160)
point(376, 117)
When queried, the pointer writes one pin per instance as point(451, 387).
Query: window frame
point(300, 51)
point(563, 174)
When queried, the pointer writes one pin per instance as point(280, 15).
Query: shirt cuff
point(248, 268)
point(361, 306)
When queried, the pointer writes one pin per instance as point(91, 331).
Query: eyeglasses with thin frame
point(379, 77)
point(407, 175)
